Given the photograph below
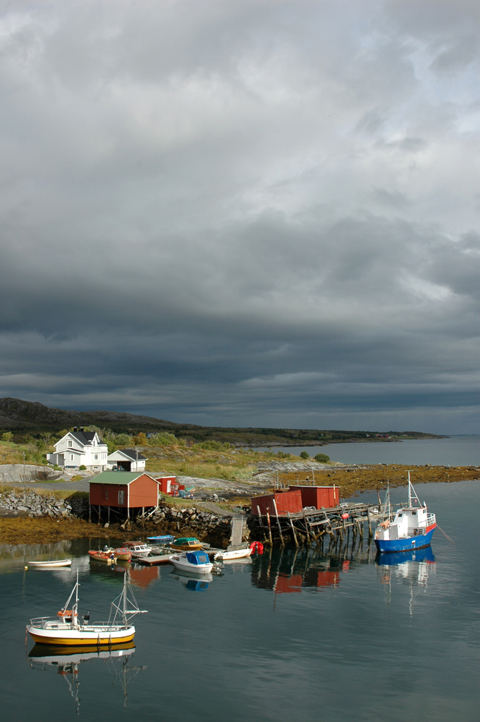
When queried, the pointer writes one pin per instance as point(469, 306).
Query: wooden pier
point(346, 522)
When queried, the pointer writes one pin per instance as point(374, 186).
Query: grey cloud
point(277, 227)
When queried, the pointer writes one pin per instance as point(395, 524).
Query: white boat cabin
point(407, 522)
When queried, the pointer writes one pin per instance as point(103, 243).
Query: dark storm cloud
point(242, 213)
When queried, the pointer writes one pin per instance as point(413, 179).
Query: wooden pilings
point(343, 525)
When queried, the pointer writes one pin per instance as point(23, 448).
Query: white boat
point(49, 563)
point(226, 555)
point(69, 628)
point(196, 562)
point(138, 549)
point(412, 527)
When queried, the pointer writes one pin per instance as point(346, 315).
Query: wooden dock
point(314, 526)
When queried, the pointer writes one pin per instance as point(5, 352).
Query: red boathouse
point(123, 490)
point(293, 500)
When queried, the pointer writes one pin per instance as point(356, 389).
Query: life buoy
point(256, 547)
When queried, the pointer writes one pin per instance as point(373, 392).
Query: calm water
point(286, 637)
point(454, 451)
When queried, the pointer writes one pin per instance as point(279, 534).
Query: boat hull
point(233, 554)
point(405, 545)
point(81, 637)
point(52, 564)
point(104, 557)
point(185, 566)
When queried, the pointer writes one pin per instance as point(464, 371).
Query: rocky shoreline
point(29, 515)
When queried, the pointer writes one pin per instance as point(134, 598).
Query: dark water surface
point(287, 637)
point(452, 451)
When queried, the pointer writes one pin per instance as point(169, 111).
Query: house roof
point(84, 437)
point(133, 454)
point(118, 477)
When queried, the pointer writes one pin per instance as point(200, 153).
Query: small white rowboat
point(50, 563)
point(227, 555)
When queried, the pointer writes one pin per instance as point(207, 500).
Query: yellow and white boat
point(69, 628)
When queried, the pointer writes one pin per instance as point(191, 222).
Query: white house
point(80, 448)
point(126, 460)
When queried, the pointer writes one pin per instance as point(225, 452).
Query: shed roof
point(133, 454)
point(118, 477)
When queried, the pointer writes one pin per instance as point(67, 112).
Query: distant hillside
point(32, 418)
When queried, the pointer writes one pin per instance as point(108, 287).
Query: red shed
point(285, 501)
point(169, 485)
point(123, 489)
point(321, 497)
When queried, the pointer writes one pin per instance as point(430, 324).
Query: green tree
point(322, 458)
point(304, 455)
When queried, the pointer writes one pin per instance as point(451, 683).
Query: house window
point(71, 457)
point(96, 457)
point(121, 497)
point(69, 444)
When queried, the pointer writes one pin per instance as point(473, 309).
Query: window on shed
point(121, 496)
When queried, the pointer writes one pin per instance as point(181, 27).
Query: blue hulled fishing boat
point(412, 526)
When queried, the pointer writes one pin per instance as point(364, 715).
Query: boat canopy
point(186, 539)
point(197, 557)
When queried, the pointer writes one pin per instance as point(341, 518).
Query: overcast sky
point(243, 212)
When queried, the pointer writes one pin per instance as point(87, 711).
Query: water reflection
point(412, 568)
point(142, 576)
point(293, 570)
point(66, 662)
point(193, 582)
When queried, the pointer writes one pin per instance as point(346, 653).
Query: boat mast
point(125, 597)
point(387, 507)
point(75, 606)
point(413, 500)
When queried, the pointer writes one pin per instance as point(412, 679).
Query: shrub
point(304, 455)
point(82, 467)
point(322, 458)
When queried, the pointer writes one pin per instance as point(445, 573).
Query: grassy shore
point(353, 480)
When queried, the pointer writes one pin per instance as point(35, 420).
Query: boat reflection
point(191, 581)
point(413, 568)
point(414, 555)
point(66, 662)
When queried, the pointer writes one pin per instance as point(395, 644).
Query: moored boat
point(161, 538)
point(122, 554)
point(108, 557)
point(68, 628)
point(196, 562)
point(187, 543)
point(412, 526)
point(49, 563)
point(138, 548)
point(226, 555)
